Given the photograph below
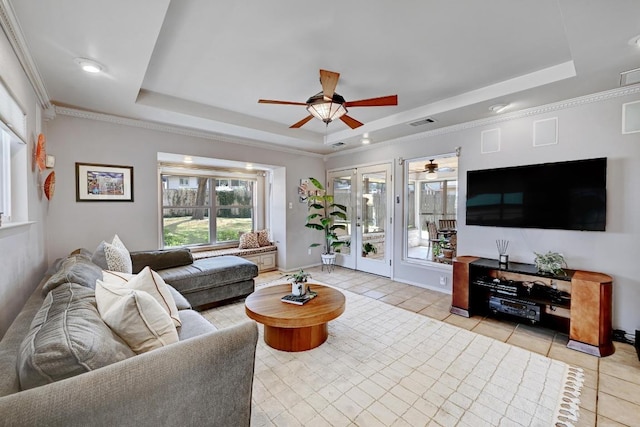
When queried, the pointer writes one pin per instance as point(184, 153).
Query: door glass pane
point(341, 189)
point(374, 214)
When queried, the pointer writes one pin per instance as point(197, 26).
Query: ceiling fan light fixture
point(327, 111)
point(432, 175)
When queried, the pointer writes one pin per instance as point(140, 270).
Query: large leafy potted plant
point(323, 212)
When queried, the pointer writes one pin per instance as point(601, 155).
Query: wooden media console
point(579, 302)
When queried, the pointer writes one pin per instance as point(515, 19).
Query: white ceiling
point(203, 64)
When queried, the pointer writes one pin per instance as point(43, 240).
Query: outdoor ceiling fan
point(432, 169)
point(329, 105)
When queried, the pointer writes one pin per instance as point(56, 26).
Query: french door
point(366, 192)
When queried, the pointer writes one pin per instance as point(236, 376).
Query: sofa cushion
point(135, 316)
point(207, 273)
point(74, 269)
point(67, 337)
point(113, 256)
point(150, 282)
point(160, 259)
point(117, 277)
point(193, 325)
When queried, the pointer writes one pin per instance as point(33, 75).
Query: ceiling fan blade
point(351, 122)
point(329, 81)
point(301, 122)
point(272, 101)
point(374, 102)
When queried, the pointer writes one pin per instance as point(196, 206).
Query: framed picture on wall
point(103, 183)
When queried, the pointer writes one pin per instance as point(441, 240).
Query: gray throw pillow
point(67, 338)
point(161, 259)
point(99, 258)
point(74, 269)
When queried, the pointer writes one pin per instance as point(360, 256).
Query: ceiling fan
point(329, 105)
point(432, 169)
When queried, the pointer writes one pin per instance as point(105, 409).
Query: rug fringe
point(566, 413)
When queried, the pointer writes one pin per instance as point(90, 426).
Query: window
point(209, 210)
point(5, 175)
point(13, 160)
point(431, 195)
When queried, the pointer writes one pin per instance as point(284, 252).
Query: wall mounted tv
point(564, 195)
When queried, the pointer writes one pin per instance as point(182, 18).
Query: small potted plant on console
point(550, 263)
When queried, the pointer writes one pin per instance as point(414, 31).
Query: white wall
point(84, 224)
point(22, 249)
point(584, 131)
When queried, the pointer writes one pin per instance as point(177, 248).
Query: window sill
point(14, 226)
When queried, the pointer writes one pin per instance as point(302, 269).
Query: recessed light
point(89, 65)
point(635, 41)
point(498, 108)
point(365, 140)
point(187, 159)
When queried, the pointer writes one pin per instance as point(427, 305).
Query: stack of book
point(299, 299)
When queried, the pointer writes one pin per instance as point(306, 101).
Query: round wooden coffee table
point(291, 327)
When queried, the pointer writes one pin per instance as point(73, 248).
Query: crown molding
point(561, 105)
point(177, 130)
point(11, 26)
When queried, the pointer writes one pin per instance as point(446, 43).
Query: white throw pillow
point(150, 282)
point(118, 259)
point(135, 316)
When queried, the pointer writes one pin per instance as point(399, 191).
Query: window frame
point(416, 206)
point(258, 201)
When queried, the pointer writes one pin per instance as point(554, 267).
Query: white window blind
point(11, 115)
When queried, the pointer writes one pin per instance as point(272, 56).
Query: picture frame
point(103, 183)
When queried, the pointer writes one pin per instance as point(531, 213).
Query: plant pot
point(298, 288)
point(447, 253)
point(329, 260)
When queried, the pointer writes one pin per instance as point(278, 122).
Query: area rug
point(383, 366)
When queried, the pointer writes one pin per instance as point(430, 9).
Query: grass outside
point(182, 231)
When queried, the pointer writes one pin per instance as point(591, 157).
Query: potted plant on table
point(298, 282)
point(323, 212)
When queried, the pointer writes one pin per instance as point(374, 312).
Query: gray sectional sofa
point(203, 379)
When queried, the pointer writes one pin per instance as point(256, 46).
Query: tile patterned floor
point(611, 394)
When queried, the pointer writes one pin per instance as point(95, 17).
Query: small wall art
point(104, 183)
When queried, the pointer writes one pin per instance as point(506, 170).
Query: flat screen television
point(564, 195)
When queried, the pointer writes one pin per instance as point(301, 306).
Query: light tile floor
point(611, 393)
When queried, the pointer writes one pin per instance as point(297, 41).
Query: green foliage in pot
point(551, 262)
point(299, 277)
point(323, 212)
point(367, 248)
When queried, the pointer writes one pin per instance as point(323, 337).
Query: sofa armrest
point(206, 380)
